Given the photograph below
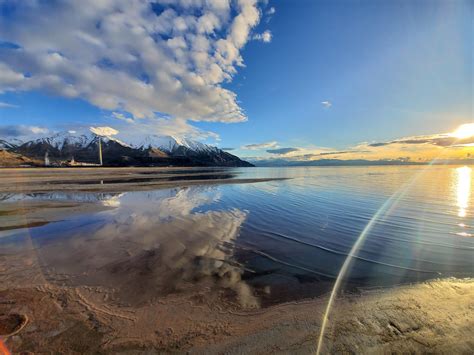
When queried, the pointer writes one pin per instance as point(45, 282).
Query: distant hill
point(355, 162)
point(8, 159)
point(151, 150)
point(330, 162)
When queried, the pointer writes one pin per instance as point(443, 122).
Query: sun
point(464, 131)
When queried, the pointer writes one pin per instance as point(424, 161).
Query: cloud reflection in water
point(153, 244)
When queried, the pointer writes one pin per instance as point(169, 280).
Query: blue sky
point(386, 70)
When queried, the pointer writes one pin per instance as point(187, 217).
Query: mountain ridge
point(151, 150)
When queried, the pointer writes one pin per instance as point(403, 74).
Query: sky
point(293, 79)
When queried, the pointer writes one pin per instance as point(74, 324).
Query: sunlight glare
point(464, 131)
point(463, 189)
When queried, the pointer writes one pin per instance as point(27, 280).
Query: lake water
point(265, 242)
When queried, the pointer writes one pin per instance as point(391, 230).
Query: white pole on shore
point(100, 151)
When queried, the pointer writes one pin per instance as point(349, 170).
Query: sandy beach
point(407, 319)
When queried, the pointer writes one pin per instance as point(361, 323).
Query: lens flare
point(347, 264)
point(385, 209)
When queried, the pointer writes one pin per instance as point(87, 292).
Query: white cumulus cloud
point(147, 58)
point(104, 131)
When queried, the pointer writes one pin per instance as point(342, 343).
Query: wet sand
point(30, 214)
point(33, 180)
point(433, 317)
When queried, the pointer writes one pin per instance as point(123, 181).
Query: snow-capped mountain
point(70, 138)
point(10, 144)
point(170, 144)
point(148, 150)
point(64, 139)
point(164, 143)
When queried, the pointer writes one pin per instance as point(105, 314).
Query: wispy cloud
point(282, 151)
point(270, 11)
point(269, 14)
point(442, 140)
point(21, 131)
point(265, 36)
point(258, 146)
point(122, 117)
point(7, 105)
point(326, 104)
point(335, 153)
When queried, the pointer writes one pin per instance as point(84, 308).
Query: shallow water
point(139, 180)
point(266, 242)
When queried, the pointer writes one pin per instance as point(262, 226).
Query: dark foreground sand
point(433, 317)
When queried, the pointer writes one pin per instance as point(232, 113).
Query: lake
point(262, 243)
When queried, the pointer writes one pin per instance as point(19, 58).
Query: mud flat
point(34, 180)
point(30, 214)
point(432, 317)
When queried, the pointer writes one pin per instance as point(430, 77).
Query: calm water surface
point(268, 242)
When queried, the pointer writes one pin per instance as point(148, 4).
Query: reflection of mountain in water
point(153, 244)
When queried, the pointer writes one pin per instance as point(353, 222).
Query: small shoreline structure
point(73, 163)
point(67, 163)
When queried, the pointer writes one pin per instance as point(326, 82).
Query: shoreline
point(40, 180)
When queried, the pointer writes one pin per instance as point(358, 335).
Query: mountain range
point(276, 162)
point(151, 150)
point(281, 162)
